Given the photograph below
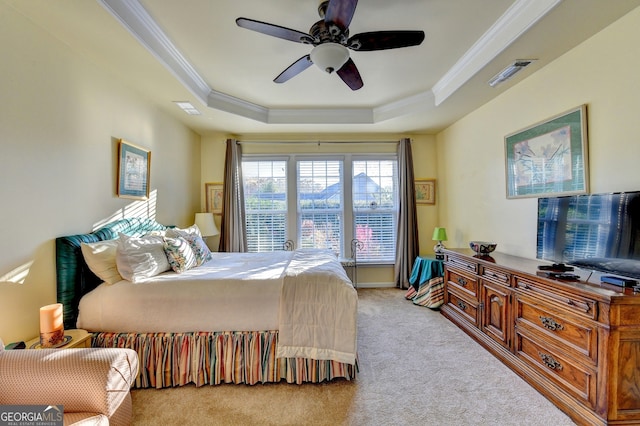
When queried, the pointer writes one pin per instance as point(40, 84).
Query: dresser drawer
point(578, 305)
point(464, 308)
point(574, 377)
point(463, 264)
point(463, 283)
point(496, 275)
point(573, 334)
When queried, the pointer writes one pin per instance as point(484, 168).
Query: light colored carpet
point(416, 368)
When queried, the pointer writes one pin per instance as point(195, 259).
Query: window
point(323, 202)
point(265, 192)
point(320, 204)
point(375, 208)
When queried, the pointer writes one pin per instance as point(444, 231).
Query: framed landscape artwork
point(134, 168)
point(549, 158)
point(214, 195)
point(425, 191)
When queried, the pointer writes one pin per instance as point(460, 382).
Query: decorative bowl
point(482, 247)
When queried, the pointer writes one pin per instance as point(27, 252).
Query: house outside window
point(323, 202)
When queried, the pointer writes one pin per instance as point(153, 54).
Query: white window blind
point(375, 207)
point(320, 204)
point(337, 198)
point(265, 191)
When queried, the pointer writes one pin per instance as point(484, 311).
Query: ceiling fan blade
point(350, 75)
point(294, 69)
point(381, 40)
point(274, 30)
point(340, 12)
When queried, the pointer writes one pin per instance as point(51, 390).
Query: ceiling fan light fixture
point(509, 71)
point(329, 57)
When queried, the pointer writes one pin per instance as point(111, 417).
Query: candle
point(51, 325)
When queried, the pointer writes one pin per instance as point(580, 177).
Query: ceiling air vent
point(509, 71)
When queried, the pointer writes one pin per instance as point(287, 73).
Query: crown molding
point(321, 116)
point(520, 16)
point(514, 22)
point(237, 106)
point(408, 105)
point(134, 17)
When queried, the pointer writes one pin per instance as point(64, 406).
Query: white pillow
point(101, 259)
point(177, 232)
point(141, 258)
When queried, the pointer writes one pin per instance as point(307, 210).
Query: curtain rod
point(250, 142)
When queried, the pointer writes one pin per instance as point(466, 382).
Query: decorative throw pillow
point(177, 232)
point(101, 260)
point(200, 248)
point(179, 254)
point(141, 258)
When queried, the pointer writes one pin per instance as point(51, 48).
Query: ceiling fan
point(331, 41)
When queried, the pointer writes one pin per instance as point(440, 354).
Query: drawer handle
point(462, 281)
point(551, 324)
point(584, 306)
point(496, 299)
point(462, 305)
point(550, 361)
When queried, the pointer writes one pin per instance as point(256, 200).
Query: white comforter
point(304, 294)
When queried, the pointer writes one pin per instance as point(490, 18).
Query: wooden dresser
point(576, 342)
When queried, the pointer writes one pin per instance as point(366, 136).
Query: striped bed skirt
point(249, 357)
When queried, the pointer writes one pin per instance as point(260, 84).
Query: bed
point(236, 318)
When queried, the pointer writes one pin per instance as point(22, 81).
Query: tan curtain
point(233, 236)
point(407, 244)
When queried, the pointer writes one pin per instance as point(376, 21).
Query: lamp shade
point(439, 234)
point(206, 224)
point(329, 57)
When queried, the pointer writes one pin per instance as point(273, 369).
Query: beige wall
point(602, 73)
point(424, 154)
point(60, 119)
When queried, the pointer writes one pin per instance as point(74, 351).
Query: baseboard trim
point(376, 285)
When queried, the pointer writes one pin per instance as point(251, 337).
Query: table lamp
point(206, 224)
point(439, 235)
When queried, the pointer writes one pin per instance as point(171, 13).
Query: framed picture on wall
point(549, 158)
point(134, 169)
point(214, 195)
point(425, 191)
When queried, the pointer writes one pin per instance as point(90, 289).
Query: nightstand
point(427, 282)
point(79, 339)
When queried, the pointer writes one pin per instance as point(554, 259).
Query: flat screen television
point(597, 231)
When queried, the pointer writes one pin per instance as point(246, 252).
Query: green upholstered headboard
point(74, 279)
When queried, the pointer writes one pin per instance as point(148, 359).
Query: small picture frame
point(134, 169)
point(425, 191)
point(549, 158)
point(214, 197)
